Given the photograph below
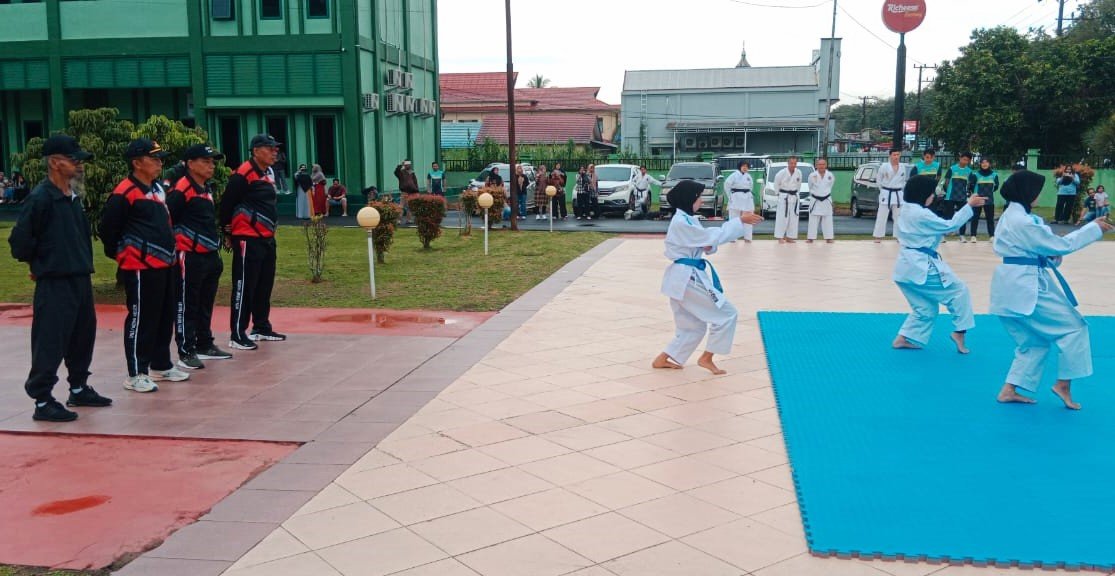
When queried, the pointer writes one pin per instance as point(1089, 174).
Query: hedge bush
point(384, 234)
point(428, 211)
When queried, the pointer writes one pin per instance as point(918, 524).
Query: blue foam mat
point(906, 454)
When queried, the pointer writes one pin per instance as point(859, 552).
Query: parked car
point(505, 173)
point(865, 190)
point(758, 166)
point(703, 172)
point(770, 193)
point(615, 183)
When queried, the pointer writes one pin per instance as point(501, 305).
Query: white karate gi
point(927, 281)
point(1030, 303)
point(740, 199)
point(697, 305)
point(820, 212)
point(891, 182)
point(786, 221)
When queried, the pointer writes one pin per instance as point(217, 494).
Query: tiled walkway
point(562, 452)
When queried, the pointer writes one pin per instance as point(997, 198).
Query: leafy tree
point(1101, 139)
point(1095, 21)
point(538, 81)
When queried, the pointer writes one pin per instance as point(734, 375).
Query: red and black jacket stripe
point(135, 227)
point(194, 217)
point(249, 205)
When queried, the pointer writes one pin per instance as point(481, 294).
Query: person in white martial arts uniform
point(696, 296)
point(891, 177)
point(820, 212)
point(740, 200)
point(1037, 313)
point(788, 183)
point(925, 279)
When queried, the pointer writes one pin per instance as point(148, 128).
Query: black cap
point(64, 145)
point(201, 151)
point(264, 140)
point(141, 147)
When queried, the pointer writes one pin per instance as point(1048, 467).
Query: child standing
point(1037, 315)
point(696, 296)
point(924, 278)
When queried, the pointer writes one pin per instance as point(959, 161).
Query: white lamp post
point(550, 193)
point(368, 218)
point(485, 201)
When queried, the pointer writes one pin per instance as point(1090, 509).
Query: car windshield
point(733, 163)
point(691, 172)
point(613, 173)
point(805, 172)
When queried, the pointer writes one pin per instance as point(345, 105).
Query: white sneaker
point(172, 375)
point(140, 383)
point(537, 216)
point(963, 240)
point(973, 239)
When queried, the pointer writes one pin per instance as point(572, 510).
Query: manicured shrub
point(384, 234)
point(428, 211)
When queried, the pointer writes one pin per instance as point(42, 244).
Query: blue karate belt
point(701, 264)
point(1043, 262)
point(927, 251)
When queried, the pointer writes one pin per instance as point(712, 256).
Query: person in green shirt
point(435, 180)
point(984, 182)
point(928, 165)
point(957, 186)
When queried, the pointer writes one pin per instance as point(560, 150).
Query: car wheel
point(856, 212)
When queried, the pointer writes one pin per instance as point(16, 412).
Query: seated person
point(338, 196)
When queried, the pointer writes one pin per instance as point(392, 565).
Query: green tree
point(1095, 21)
point(538, 81)
point(1101, 139)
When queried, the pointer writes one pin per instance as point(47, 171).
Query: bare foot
point(747, 241)
point(664, 361)
point(1008, 394)
point(808, 241)
point(791, 241)
point(781, 240)
point(830, 241)
point(958, 338)
point(706, 362)
point(901, 342)
point(878, 241)
point(1063, 391)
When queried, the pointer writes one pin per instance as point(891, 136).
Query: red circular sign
point(902, 16)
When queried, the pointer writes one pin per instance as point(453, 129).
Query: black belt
point(795, 193)
point(748, 190)
point(892, 191)
point(817, 199)
point(788, 191)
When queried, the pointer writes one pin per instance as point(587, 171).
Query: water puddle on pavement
point(388, 319)
point(63, 507)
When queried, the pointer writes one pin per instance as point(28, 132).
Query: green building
point(348, 84)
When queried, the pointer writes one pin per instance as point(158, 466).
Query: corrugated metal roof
point(555, 128)
point(459, 134)
point(718, 78)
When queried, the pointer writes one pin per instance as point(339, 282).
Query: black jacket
point(52, 234)
point(249, 206)
point(135, 227)
point(194, 216)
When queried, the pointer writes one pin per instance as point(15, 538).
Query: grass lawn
point(453, 274)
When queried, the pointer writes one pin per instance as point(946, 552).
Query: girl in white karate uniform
point(925, 279)
point(696, 296)
point(1037, 308)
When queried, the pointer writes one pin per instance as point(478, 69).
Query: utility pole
point(1060, 17)
point(863, 124)
point(921, 68)
point(512, 159)
point(828, 89)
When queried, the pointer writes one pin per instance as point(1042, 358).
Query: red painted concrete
point(84, 502)
point(442, 324)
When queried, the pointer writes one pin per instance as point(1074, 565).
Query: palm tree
point(539, 81)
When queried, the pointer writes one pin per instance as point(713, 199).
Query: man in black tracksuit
point(136, 231)
point(199, 264)
point(248, 214)
point(53, 236)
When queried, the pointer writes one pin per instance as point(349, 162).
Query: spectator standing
point(589, 195)
point(984, 182)
point(248, 213)
point(136, 231)
point(958, 186)
point(558, 180)
point(338, 196)
point(1068, 184)
point(494, 179)
point(408, 186)
point(52, 235)
point(318, 204)
point(891, 177)
point(302, 186)
point(521, 191)
point(281, 172)
point(541, 201)
point(19, 183)
point(435, 180)
point(197, 239)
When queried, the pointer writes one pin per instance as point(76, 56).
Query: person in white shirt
point(639, 205)
point(739, 186)
point(1038, 315)
point(925, 279)
point(820, 212)
point(891, 179)
point(691, 283)
point(787, 183)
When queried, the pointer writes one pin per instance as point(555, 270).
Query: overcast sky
point(592, 42)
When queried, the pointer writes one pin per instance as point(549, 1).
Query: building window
point(223, 9)
point(317, 8)
point(32, 129)
point(325, 144)
point(270, 9)
point(230, 141)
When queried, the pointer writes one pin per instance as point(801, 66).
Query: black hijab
point(1023, 187)
point(919, 189)
point(684, 195)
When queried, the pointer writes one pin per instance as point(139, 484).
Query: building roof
point(718, 78)
point(556, 128)
point(581, 98)
point(474, 86)
point(459, 134)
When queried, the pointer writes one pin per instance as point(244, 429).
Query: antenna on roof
point(743, 56)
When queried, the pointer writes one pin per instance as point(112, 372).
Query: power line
point(877, 37)
point(758, 5)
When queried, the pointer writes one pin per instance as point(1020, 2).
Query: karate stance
point(740, 200)
point(820, 212)
point(788, 183)
point(1036, 314)
point(891, 178)
point(696, 296)
point(925, 279)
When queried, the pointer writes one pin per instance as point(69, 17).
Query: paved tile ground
point(562, 452)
